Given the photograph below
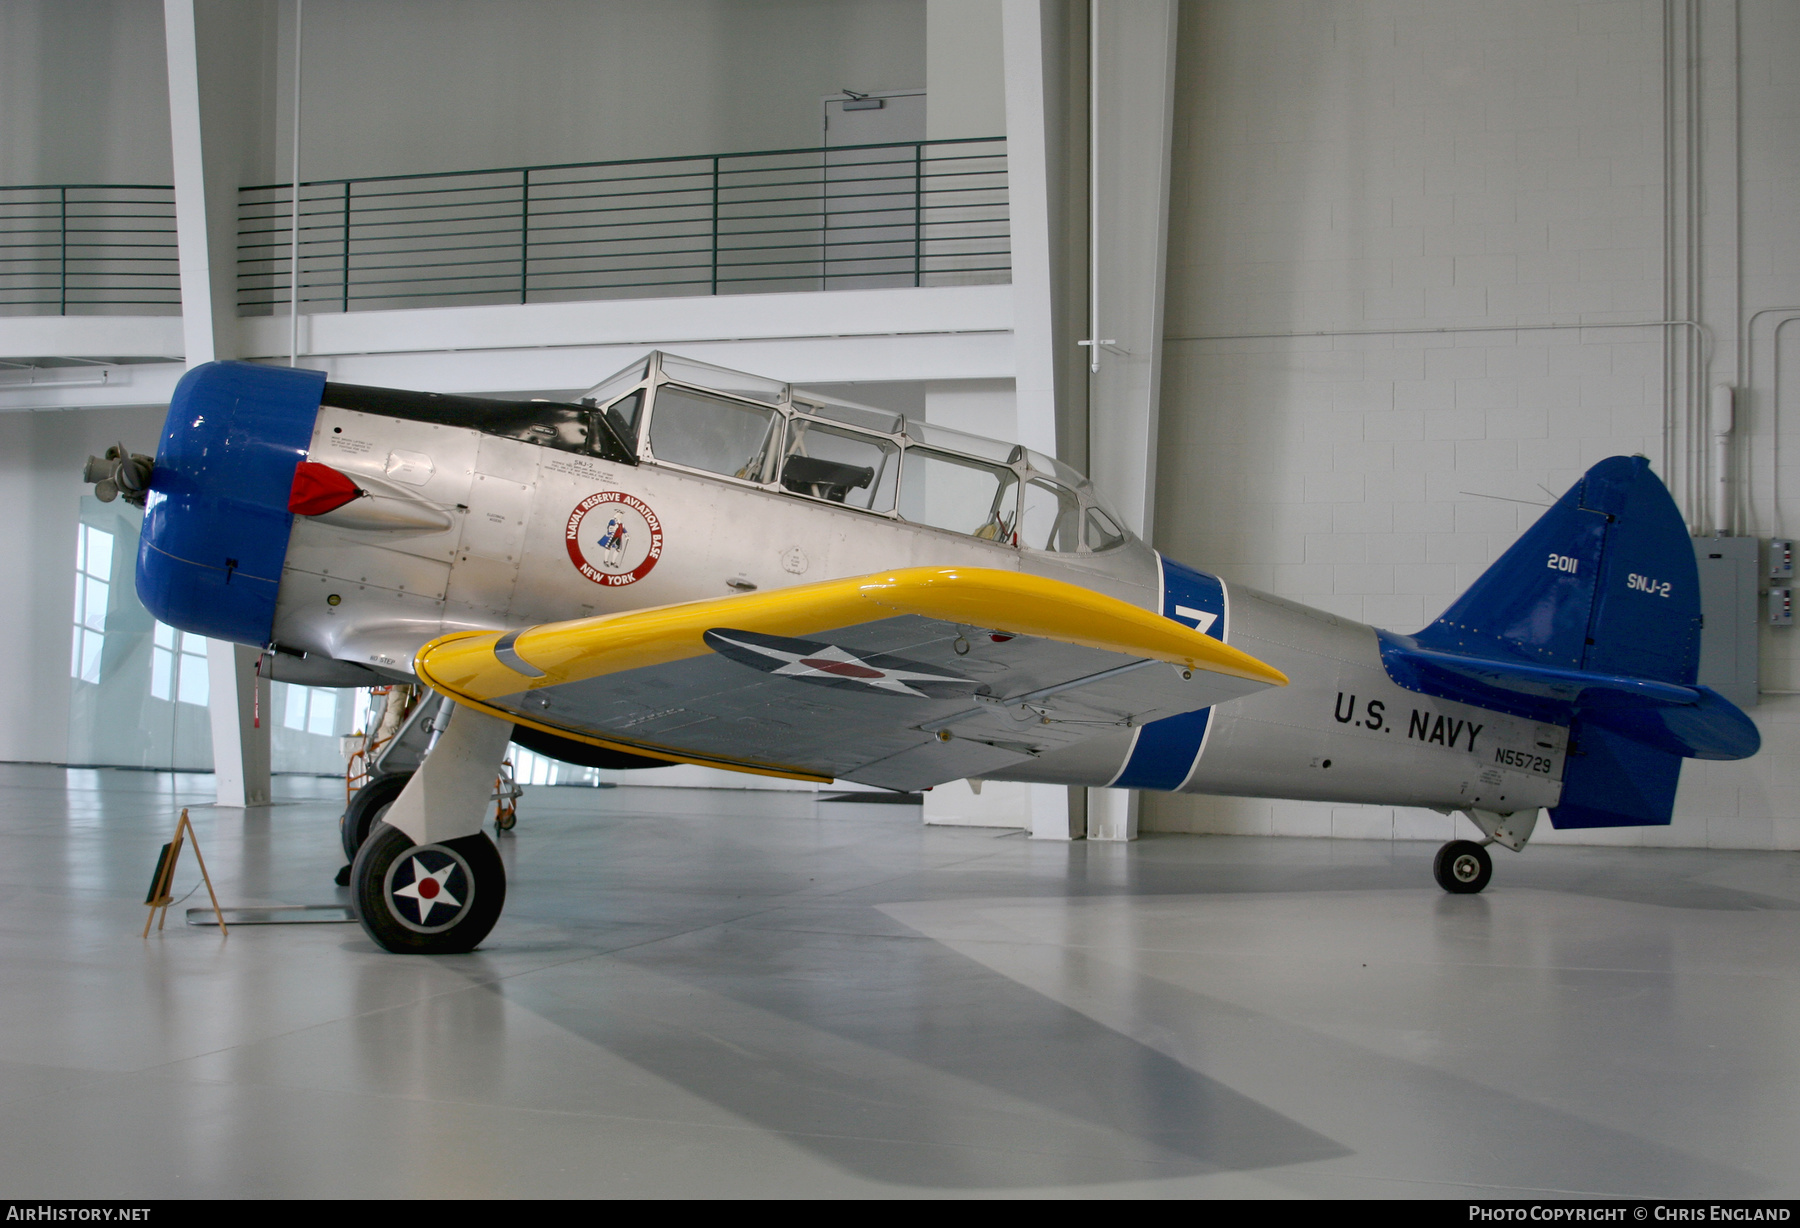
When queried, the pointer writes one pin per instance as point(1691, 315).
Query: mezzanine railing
point(905, 214)
point(88, 249)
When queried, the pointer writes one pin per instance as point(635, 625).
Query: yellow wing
point(901, 679)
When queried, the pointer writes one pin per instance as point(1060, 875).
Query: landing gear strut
point(427, 880)
point(1463, 867)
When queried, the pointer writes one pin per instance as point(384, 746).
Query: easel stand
point(159, 896)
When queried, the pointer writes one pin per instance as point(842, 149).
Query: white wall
point(965, 88)
point(403, 86)
point(1374, 165)
point(84, 92)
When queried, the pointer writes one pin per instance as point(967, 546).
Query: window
point(960, 494)
point(828, 462)
point(93, 586)
point(719, 436)
point(1052, 517)
point(622, 415)
point(311, 709)
point(1102, 533)
point(178, 666)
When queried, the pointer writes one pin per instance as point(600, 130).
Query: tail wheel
point(427, 899)
point(367, 805)
point(1462, 867)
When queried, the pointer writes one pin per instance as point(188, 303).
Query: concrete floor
point(705, 993)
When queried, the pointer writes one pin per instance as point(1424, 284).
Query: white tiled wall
point(1366, 166)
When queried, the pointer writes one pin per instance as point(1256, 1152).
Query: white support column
point(214, 50)
point(238, 703)
point(1031, 40)
point(1132, 104)
point(1025, 47)
point(1112, 814)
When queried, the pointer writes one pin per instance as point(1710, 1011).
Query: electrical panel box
point(1781, 607)
point(1781, 559)
point(1730, 577)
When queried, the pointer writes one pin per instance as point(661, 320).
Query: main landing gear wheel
point(367, 805)
point(427, 899)
point(1462, 867)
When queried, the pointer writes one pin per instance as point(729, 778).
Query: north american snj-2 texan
point(695, 565)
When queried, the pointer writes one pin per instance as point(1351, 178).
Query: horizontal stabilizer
point(1694, 722)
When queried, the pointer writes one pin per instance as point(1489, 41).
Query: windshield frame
point(910, 433)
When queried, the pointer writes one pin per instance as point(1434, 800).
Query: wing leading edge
point(901, 679)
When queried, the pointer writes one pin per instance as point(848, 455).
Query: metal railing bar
point(99, 260)
point(502, 188)
point(428, 221)
point(559, 166)
point(334, 235)
point(698, 281)
point(50, 217)
point(740, 200)
point(397, 251)
point(897, 212)
point(512, 261)
point(87, 187)
point(511, 281)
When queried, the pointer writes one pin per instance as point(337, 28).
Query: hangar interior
point(1332, 297)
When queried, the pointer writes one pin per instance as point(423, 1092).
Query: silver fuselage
point(1341, 731)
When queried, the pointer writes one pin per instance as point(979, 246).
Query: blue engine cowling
point(216, 519)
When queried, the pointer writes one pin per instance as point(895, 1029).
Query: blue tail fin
point(1604, 581)
point(1591, 619)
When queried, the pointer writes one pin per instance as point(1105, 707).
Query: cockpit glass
point(854, 415)
point(1102, 533)
point(609, 388)
point(623, 414)
point(959, 493)
point(710, 433)
point(957, 441)
point(1051, 519)
point(732, 383)
point(1054, 468)
point(848, 467)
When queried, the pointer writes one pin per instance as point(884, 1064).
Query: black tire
point(366, 807)
point(1462, 867)
point(470, 884)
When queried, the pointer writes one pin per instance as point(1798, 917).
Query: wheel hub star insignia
point(427, 890)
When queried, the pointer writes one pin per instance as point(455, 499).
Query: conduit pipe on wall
point(294, 251)
point(1722, 419)
point(1749, 368)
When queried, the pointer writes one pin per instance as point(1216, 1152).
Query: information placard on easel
point(164, 878)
